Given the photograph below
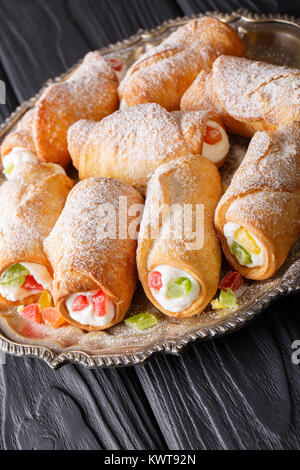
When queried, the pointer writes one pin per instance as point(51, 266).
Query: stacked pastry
point(82, 247)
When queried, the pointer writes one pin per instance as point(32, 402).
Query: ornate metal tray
point(271, 38)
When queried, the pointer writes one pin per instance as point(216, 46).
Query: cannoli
point(179, 265)
point(258, 218)
point(164, 73)
point(30, 205)
point(94, 262)
point(21, 137)
point(249, 96)
point(90, 92)
point(131, 144)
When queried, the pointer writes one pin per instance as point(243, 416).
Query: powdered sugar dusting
point(176, 62)
point(131, 144)
point(271, 162)
point(83, 246)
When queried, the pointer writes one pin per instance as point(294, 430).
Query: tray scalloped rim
point(55, 360)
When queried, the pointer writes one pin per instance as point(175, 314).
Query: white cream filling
point(230, 229)
point(15, 157)
point(216, 152)
point(40, 274)
point(18, 157)
point(170, 273)
point(87, 316)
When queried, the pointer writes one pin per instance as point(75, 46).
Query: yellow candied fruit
point(244, 238)
point(216, 304)
point(45, 300)
point(20, 308)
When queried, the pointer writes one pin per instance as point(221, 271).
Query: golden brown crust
point(21, 136)
point(131, 144)
point(184, 181)
point(84, 260)
point(90, 92)
point(164, 74)
point(31, 204)
point(193, 128)
point(264, 197)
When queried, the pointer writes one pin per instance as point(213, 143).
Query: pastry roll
point(21, 137)
point(258, 218)
point(94, 262)
point(178, 254)
point(30, 205)
point(250, 96)
point(131, 144)
point(164, 73)
point(90, 92)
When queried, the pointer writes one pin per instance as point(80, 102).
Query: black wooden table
point(238, 392)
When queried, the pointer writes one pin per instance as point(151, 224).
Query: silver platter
point(275, 39)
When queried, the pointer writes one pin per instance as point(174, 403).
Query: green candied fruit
point(243, 256)
point(227, 297)
point(141, 321)
point(9, 169)
point(14, 276)
point(179, 287)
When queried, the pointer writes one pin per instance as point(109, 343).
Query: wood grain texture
point(238, 392)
